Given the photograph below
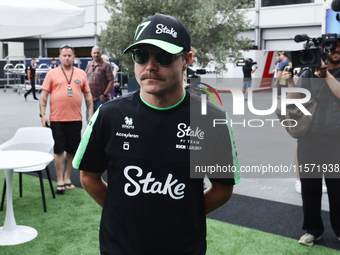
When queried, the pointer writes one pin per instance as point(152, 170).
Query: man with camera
point(318, 150)
point(247, 71)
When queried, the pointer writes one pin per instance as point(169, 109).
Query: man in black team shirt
point(150, 203)
point(31, 75)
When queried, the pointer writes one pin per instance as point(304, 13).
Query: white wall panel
point(291, 15)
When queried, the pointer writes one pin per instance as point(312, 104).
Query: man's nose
point(152, 63)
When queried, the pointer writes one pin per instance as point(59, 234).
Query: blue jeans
point(96, 105)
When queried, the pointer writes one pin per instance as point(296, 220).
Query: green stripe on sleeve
point(236, 161)
point(84, 141)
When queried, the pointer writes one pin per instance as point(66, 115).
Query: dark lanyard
point(69, 82)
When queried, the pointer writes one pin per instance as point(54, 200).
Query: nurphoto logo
point(238, 105)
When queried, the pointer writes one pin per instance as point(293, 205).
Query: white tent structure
point(22, 18)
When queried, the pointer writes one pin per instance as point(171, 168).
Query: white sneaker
point(308, 239)
point(298, 186)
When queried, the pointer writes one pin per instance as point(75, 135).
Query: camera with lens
point(315, 49)
point(246, 61)
point(195, 79)
point(249, 62)
point(194, 82)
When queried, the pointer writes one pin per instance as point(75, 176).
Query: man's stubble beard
point(334, 62)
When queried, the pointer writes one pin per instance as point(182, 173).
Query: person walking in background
point(53, 63)
point(280, 82)
point(276, 69)
point(139, 139)
point(247, 72)
point(115, 69)
point(66, 85)
point(31, 75)
point(100, 78)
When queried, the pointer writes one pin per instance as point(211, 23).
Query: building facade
point(275, 23)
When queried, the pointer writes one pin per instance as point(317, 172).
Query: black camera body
point(200, 71)
point(242, 62)
point(315, 49)
point(250, 62)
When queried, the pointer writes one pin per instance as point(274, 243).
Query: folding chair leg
point(20, 184)
point(42, 190)
point(50, 181)
point(3, 196)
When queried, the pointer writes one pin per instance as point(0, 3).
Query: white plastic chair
point(32, 139)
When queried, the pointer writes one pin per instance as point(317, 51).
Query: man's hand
point(216, 196)
point(103, 98)
point(323, 71)
point(44, 121)
point(286, 74)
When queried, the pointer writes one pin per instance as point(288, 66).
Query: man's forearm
point(291, 84)
point(89, 102)
point(109, 87)
point(216, 196)
point(95, 186)
point(333, 84)
point(43, 101)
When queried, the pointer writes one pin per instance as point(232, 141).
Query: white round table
point(11, 233)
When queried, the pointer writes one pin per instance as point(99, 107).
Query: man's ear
point(187, 60)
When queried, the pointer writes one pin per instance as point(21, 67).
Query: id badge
point(69, 92)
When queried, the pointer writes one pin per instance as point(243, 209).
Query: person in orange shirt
point(65, 85)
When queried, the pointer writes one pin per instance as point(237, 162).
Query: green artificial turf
point(70, 226)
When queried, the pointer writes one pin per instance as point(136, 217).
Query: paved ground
point(257, 146)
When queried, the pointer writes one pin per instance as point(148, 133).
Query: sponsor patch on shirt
point(77, 81)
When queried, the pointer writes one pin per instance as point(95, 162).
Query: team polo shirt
point(32, 69)
point(152, 205)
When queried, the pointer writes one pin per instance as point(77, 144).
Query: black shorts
point(66, 136)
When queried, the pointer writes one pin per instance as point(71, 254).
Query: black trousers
point(319, 155)
point(32, 88)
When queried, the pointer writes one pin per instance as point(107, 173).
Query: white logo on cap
point(161, 29)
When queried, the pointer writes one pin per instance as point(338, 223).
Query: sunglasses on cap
point(162, 57)
point(66, 46)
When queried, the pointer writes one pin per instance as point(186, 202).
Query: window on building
point(266, 3)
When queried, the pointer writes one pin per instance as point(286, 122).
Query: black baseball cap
point(283, 53)
point(163, 31)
